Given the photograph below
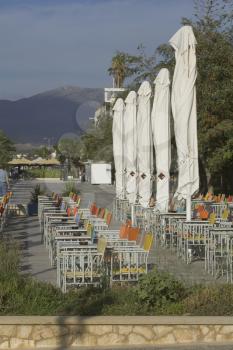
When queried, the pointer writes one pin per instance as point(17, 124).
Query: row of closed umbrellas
point(137, 128)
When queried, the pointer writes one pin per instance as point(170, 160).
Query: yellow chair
point(148, 240)
point(212, 218)
point(225, 214)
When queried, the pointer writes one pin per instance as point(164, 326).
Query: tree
point(43, 152)
point(213, 29)
point(97, 142)
point(123, 66)
point(71, 149)
point(7, 149)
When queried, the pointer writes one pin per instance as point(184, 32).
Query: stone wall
point(60, 332)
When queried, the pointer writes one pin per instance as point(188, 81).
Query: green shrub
point(214, 300)
point(156, 290)
point(125, 303)
point(42, 173)
point(70, 187)
point(36, 192)
point(155, 294)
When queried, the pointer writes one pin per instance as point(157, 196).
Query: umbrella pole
point(132, 214)
point(188, 207)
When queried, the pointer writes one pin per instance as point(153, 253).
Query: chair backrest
point(81, 215)
point(148, 240)
point(109, 219)
point(105, 214)
point(95, 210)
point(92, 208)
point(133, 233)
point(124, 231)
point(101, 245)
point(200, 208)
point(223, 196)
point(204, 214)
point(90, 229)
point(78, 200)
point(101, 213)
point(225, 214)
point(212, 218)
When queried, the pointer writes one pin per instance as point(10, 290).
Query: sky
point(45, 44)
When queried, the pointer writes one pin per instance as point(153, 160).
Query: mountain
point(49, 115)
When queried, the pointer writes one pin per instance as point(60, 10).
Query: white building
point(110, 96)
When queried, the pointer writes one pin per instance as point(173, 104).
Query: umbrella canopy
point(118, 146)
point(184, 111)
point(41, 161)
point(144, 144)
point(160, 119)
point(130, 131)
point(20, 161)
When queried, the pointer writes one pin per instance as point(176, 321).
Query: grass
point(43, 173)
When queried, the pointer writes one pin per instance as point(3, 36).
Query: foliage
point(123, 65)
point(97, 142)
point(7, 149)
point(139, 66)
point(156, 294)
point(36, 192)
point(42, 173)
point(71, 149)
point(213, 30)
point(43, 152)
point(212, 300)
point(70, 187)
point(157, 289)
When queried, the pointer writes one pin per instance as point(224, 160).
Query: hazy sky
point(50, 43)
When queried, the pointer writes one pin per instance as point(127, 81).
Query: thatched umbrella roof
point(40, 161)
point(20, 161)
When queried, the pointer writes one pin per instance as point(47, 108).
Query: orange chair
point(124, 231)
point(92, 208)
point(109, 219)
point(204, 215)
point(95, 210)
point(133, 233)
point(69, 212)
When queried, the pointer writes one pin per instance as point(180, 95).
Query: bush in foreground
point(155, 294)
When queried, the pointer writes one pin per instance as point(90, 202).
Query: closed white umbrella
point(130, 136)
point(185, 113)
point(144, 144)
point(118, 146)
point(160, 118)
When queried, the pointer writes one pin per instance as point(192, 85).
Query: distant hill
point(50, 114)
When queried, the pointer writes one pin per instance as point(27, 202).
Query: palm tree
point(118, 69)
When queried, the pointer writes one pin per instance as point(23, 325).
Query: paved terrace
point(35, 259)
